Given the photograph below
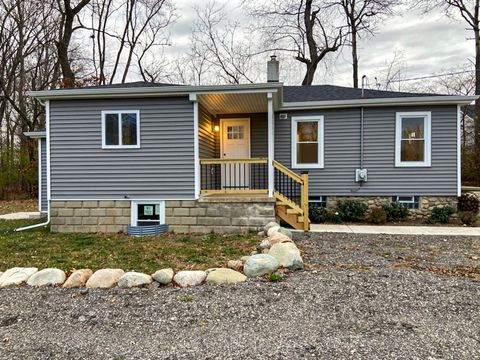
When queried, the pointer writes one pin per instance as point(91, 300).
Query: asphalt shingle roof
point(332, 93)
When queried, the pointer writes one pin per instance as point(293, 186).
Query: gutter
point(102, 93)
point(419, 100)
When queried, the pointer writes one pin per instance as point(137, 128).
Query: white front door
point(235, 145)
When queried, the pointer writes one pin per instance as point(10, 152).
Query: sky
point(426, 44)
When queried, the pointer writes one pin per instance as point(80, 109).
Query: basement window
point(121, 129)
point(413, 139)
point(318, 200)
point(144, 213)
point(411, 202)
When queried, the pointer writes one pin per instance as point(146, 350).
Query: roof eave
point(102, 93)
point(420, 100)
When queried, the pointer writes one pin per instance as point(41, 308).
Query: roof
point(332, 92)
point(285, 98)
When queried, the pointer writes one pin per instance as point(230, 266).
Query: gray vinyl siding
point(43, 176)
point(259, 135)
point(163, 167)
point(342, 153)
point(206, 137)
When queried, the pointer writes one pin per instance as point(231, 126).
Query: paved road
point(355, 305)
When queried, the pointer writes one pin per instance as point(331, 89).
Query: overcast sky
point(428, 44)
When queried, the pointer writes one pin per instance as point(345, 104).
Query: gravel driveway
point(363, 297)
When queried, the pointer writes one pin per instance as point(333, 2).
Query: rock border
point(277, 253)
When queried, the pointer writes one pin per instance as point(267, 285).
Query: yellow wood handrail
point(234, 161)
point(288, 172)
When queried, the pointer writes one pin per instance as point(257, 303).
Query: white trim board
point(320, 140)
point(427, 115)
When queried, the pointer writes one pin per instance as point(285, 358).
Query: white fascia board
point(35, 134)
point(98, 93)
point(420, 100)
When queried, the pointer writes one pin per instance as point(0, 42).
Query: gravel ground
point(354, 302)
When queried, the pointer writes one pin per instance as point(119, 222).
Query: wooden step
point(293, 211)
point(291, 219)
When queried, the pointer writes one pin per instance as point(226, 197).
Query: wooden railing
point(291, 189)
point(234, 176)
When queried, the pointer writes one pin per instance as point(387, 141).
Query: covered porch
point(236, 144)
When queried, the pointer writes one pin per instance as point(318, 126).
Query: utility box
point(361, 175)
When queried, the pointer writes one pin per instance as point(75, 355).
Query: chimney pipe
point(273, 69)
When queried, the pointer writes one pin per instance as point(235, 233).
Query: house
point(232, 157)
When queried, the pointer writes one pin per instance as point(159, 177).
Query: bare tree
point(304, 28)
point(221, 45)
point(68, 13)
point(469, 12)
point(362, 17)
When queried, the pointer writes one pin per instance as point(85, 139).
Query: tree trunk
point(310, 74)
point(477, 106)
point(354, 57)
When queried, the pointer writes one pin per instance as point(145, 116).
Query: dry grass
point(11, 206)
point(42, 249)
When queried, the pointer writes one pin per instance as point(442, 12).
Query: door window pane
point(111, 129)
point(235, 132)
point(307, 153)
point(129, 129)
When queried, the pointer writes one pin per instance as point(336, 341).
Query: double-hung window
point(413, 139)
point(307, 142)
point(121, 129)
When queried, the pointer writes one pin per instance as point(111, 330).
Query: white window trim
point(427, 162)
point(320, 120)
point(134, 210)
point(119, 113)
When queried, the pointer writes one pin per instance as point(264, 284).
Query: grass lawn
point(43, 249)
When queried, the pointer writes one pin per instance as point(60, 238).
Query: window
point(307, 142)
point(144, 213)
point(411, 202)
point(235, 132)
point(413, 139)
point(319, 200)
point(120, 129)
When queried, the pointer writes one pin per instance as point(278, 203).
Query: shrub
point(378, 216)
point(468, 217)
point(395, 211)
point(275, 277)
point(317, 213)
point(351, 210)
point(441, 214)
point(469, 202)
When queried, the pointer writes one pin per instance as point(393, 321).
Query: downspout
point(46, 104)
point(361, 138)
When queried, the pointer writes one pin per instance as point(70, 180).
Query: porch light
point(215, 128)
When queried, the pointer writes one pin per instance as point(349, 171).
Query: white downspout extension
point(47, 143)
point(271, 145)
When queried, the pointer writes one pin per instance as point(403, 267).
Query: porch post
point(271, 144)
point(196, 151)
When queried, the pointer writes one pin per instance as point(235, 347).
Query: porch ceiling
point(234, 103)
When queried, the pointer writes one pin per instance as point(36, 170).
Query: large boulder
point(287, 255)
point(236, 265)
point(224, 276)
point(47, 277)
point(163, 276)
point(189, 278)
point(16, 276)
point(277, 237)
point(134, 279)
point(105, 278)
point(286, 232)
point(270, 225)
point(78, 278)
point(260, 264)
point(273, 230)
